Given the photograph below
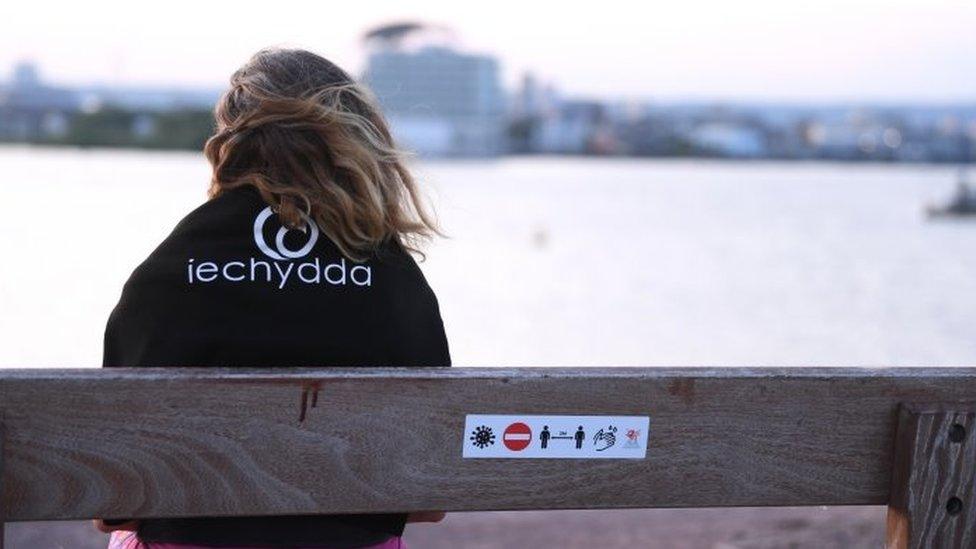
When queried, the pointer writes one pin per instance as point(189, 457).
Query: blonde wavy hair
point(311, 140)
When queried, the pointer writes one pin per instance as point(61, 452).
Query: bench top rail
point(179, 442)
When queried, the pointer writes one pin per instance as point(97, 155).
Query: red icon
point(517, 437)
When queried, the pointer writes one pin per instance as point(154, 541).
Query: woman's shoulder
point(226, 211)
point(210, 227)
point(395, 257)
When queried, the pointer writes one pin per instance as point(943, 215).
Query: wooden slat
point(205, 442)
point(933, 489)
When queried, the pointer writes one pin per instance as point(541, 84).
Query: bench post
point(933, 490)
point(3, 511)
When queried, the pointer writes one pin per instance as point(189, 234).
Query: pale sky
point(809, 50)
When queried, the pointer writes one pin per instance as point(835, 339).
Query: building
point(729, 140)
point(32, 110)
point(440, 101)
point(149, 98)
point(574, 127)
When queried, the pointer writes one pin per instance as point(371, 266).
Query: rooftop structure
point(440, 101)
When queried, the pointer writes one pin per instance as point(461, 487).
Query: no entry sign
point(517, 436)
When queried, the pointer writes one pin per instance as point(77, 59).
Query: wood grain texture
point(933, 494)
point(220, 442)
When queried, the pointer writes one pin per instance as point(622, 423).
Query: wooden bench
point(82, 443)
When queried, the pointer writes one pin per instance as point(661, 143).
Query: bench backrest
point(87, 443)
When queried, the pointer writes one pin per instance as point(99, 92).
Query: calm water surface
point(556, 261)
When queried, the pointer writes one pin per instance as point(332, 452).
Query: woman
point(301, 257)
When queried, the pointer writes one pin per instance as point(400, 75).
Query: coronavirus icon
point(482, 436)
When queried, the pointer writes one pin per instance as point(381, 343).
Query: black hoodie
point(231, 287)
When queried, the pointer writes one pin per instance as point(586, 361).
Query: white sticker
point(559, 437)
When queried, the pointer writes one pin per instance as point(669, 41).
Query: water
point(574, 262)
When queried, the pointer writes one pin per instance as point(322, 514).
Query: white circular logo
point(281, 252)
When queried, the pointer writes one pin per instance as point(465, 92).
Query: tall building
point(440, 101)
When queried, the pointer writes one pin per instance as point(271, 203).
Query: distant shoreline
point(137, 147)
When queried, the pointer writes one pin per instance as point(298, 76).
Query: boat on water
point(963, 203)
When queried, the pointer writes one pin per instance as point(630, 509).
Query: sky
point(753, 50)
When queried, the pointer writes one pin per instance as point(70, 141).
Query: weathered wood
point(2, 530)
point(933, 491)
point(205, 442)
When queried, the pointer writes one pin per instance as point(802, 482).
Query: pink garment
point(124, 539)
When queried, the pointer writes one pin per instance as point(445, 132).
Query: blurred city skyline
point(885, 52)
point(442, 101)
